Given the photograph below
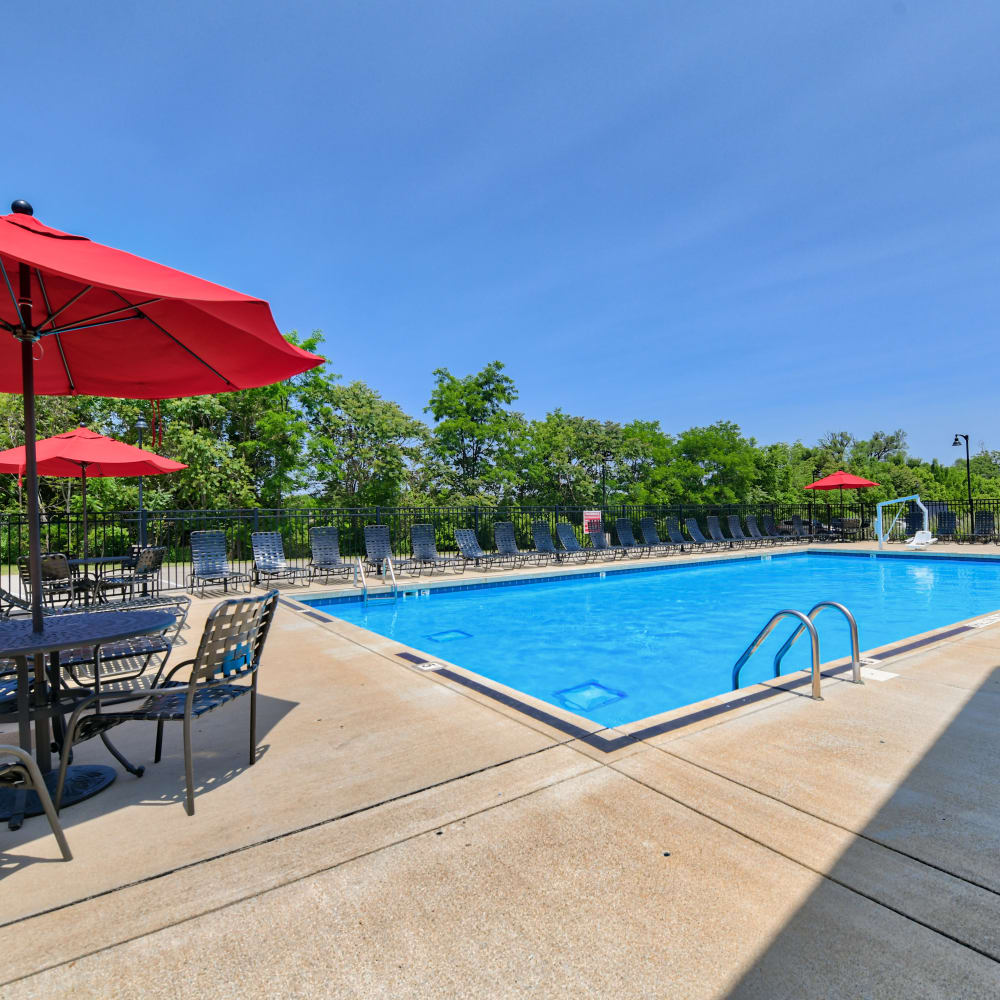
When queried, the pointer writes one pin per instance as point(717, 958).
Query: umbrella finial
point(21, 207)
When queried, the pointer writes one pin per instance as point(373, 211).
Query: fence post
point(378, 515)
point(476, 515)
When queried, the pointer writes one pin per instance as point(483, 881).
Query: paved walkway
point(402, 835)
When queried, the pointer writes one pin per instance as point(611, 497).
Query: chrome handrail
point(359, 568)
point(852, 625)
point(766, 631)
point(392, 573)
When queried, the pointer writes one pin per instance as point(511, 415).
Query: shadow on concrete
point(912, 907)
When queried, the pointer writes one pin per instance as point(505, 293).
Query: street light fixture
point(140, 426)
point(957, 443)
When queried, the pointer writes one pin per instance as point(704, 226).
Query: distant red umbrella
point(88, 319)
point(86, 453)
point(838, 480)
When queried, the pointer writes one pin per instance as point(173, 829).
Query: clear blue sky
point(782, 214)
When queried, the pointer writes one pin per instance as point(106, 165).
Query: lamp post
point(606, 457)
point(140, 426)
point(957, 443)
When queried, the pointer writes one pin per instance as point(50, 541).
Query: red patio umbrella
point(86, 453)
point(837, 481)
point(88, 319)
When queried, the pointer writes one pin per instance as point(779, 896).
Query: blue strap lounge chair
point(697, 538)
point(647, 526)
point(425, 553)
point(324, 543)
point(626, 539)
point(503, 534)
point(736, 531)
point(599, 540)
point(470, 551)
point(715, 532)
point(570, 543)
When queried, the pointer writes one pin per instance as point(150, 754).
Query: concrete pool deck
point(403, 835)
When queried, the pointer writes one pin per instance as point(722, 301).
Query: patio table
point(20, 643)
point(100, 563)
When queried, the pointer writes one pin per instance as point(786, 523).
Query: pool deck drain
point(838, 848)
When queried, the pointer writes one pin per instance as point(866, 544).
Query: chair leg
point(38, 784)
point(253, 725)
point(188, 767)
point(159, 742)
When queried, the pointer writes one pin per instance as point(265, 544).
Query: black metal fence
point(112, 532)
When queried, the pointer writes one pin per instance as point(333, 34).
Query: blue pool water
point(627, 646)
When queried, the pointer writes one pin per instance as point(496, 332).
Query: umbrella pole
point(30, 461)
point(83, 480)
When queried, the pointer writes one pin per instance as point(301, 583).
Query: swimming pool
point(616, 647)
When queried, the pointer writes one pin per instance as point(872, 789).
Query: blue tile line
point(328, 601)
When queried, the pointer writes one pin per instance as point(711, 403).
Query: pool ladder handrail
point(806, 623)
point(359, 570)
point(851, 624)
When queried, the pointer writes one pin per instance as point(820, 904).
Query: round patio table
point(20, 643)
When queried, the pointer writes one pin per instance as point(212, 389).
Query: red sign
point(591, 521)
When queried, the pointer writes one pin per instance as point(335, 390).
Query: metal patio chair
point(58, 582)
point(425, 554)
point(224, 669)
point(716, 534)
point(378, 549)
point(984, 529)
point(144, 572)
point(604, 548)
point(697, 538)
point(541, 535)
point(324, 544)
point(626, 539)
point(18, 770)
point(503, 534)
point(210, 564)
point(269, 562)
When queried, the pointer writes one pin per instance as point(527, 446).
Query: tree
point(474, 429)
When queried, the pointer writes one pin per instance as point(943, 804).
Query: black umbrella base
point(82, 781)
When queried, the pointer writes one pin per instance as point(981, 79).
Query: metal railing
point(112, 532)
point(766, 631)
point(852, 626)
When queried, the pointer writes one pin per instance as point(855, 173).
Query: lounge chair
point(675, 534)
point(229, 652)
point(378, 549)
point(920, 540)
point(802, 532)
point(736, 531)
point(503, 534)
point(985, 527)
point(541, 535)
point(715, 532)
point(947, 525)
point(19, 771)
point(600, 543)
point(269, 562)
point(471, 551)
point(324, 544)
point(425, 553)
point(755, 534)
point(210, 565)
point(914, 519)
point(626, 539)
point(772, 532)
point(647, 527)
point(697, 538)
point(570, 543)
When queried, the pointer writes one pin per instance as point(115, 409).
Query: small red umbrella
point(86, 318)
point(837, 481)
point(86, 453)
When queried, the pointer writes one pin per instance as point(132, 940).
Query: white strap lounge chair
point(921, 540)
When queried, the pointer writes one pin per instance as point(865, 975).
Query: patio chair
point(144, 572)
point(985, 527)
point(18, 770)
point(715, 532)
point(755, 533)
point(470, 551)
point(269, 562)
point(570, 543)
point(58, 581)
point(425, 553)
point(225, 668)
point(600, 543)
point(651, 537)
point(914, 519)
point(947, 526)
point(697, 538)
point(324, 544)
point(503, 535)
point(736, 531)
point(209, 563)
point(626, 538)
